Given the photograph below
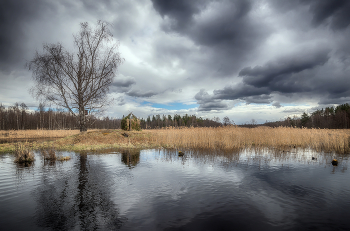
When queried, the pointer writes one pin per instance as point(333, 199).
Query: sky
point(261, 60)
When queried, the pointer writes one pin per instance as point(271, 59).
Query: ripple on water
point(157, 189)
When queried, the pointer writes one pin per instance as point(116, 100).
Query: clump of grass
point(49, 154)
point(23, 154)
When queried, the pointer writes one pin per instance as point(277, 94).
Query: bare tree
point(226, 121)
point(78, 81)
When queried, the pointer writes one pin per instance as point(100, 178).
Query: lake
point(158, 190)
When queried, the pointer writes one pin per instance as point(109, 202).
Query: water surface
point(158, 190)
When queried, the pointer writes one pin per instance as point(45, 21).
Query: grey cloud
point(259, 99)
point(137, 93)
point(226, 34)
point(287, 75)
point(125, 82)
point(329, 13)
point(122, 84)
point(15, 15)
point(181, 12)
point(335, 12)
point(294, 110)
point(239, 91)
point(209, 106)
point(208, 103)
point(262, 76)
point(333, 100)
point(19, 19)
point(276, 105)
point(121, 101)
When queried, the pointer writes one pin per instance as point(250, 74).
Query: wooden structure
point(132, 122)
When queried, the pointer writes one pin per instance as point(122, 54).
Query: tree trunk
point(82, 121)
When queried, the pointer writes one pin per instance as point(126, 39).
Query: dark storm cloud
point(208, 103)
point(267, 75)
point(19, 17)
point(263, 99)
point(333, 100)
point(332, 13)
point(223, 28)
point(181, 12)
point(239, 91)
point(282, 76)
point(14, 16)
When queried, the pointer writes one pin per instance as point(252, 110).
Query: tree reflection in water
point(130, 157)
point(77, 199)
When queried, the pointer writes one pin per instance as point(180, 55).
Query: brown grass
point(36, 134)
point(234, 138)
point(222, 138)
point(49, 154)
point(23, 153)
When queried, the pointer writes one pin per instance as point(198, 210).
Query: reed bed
point(229, 138)
point(36, 134)
point(238, 138)
point(50, 155)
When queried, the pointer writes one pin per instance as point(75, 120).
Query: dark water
point(158, 190)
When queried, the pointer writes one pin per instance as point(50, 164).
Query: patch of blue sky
point(170, 106)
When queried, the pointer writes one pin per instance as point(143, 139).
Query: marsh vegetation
point(23, 154)
point(228, 138)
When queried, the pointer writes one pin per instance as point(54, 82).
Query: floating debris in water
point(334, 162)
point(64, 158)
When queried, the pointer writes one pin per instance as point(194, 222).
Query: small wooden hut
point(131, 122)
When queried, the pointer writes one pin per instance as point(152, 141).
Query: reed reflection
point(258, 156)
point(78, 199)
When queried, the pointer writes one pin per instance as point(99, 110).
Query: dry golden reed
point(234, 137)
point(36, 134)
point(23, 153)
point(221, 138)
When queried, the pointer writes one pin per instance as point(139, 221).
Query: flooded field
point(160, 190)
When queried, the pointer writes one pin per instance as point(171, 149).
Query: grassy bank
point(11, 135)
point(225, 138)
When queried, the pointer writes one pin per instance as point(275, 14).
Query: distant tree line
point(19, 117)
point(331, 117)
point(158, 121)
